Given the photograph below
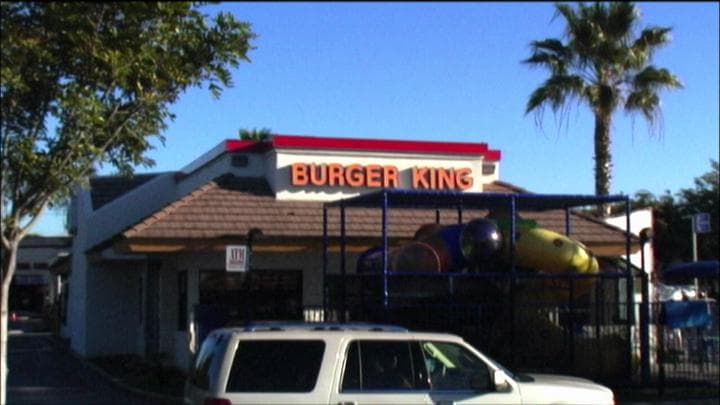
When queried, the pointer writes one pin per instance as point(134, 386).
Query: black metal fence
point(557, 324)
point(687, 351)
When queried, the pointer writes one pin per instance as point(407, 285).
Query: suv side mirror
point(500, 379)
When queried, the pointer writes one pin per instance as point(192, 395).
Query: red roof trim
point(493, 155)
point(355, 144)
point(234, 145)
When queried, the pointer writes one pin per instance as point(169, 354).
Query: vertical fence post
point(599, 317)
point(325, 292)
point(644, 320)
point(386, 293)
point(343, 241)
point(660, 332)
point(513, 274)
point(630, 291)
point(571, 310)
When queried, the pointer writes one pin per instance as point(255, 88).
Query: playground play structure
point(535, 299)
point(499, 244)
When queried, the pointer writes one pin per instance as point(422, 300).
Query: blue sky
point(450, 72)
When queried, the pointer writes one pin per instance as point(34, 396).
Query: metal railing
point(574, 325)
point(687, 352)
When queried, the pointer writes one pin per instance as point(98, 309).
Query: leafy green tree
point(606, 66)
point(672, 223)
point(705, 198)
point(90, 83)
point(255, 134)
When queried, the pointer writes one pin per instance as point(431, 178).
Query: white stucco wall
point(75, 328)
point(113, 320)
point(102, 313)
point(137, 204)
point(639, 220)
point(256, 167)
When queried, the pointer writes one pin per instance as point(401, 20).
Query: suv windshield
point(453, 367)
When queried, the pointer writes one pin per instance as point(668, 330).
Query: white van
point(285, 363)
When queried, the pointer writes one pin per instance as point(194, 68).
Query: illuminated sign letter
point(445, 179)
point(418, 177)
point(335, 175)
point(299, 174)
point(354, 176)
point(390, 177)
point(318, 175)
point(463, 178)
point(373, 175)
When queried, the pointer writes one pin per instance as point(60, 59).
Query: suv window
point(276, 366)
point(381, 365)
point(206, 367)
point(453, 367)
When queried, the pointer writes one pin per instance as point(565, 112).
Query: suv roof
point(316, 326)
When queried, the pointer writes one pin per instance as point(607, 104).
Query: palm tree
point(604, 65)
point(255, 134)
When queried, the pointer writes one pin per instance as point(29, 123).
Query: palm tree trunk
point(603, 158)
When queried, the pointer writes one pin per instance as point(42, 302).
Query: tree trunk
point(603, 158)
point(9, 262)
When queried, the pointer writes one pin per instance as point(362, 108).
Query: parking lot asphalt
point(43, 371)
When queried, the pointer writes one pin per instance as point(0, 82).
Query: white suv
point(285, 363)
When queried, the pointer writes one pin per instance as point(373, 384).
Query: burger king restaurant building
point(238, 234)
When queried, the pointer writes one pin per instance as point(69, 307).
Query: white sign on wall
point(236, 258)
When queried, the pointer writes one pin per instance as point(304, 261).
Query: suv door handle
point(347, 403)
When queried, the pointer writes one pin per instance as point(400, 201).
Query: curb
point(115, 381)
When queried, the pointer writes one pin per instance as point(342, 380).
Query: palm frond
point(650, 39)
point(601, 61)
point(647, 103)
point(556, 91)
point(653, 79)
point(551, 53)
point(255, 134)
point(622, 19)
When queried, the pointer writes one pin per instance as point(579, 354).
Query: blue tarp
point(707, 269)
point(687, 314)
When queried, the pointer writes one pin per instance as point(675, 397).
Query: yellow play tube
point(551, 252)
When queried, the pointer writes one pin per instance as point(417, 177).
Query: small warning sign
point(236, 258)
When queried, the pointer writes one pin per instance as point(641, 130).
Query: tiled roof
point(107, 188)
point(498, 186)
point(230, 206)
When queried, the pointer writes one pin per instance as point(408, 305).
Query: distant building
point(34, 288)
